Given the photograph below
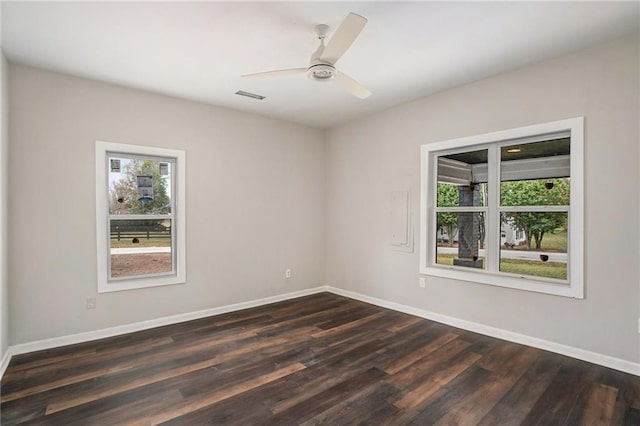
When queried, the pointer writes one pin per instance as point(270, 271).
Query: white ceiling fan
point(322, 64)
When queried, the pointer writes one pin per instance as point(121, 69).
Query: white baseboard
point(6, 357)
point(593, 357)
point(144, 325)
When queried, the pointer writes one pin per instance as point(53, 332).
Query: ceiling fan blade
point(351, 86)
point(277, 73)
point(342, 39)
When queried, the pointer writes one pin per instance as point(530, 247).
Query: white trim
point(139, 216)
point(503, 279)
point(523, 134)
point(534, 209)
point(461, 209)
point(499, 333)
point(426, 233)
point(492, 239)
point(576, 214)
point(178, 217)
point(159, 322)
point(6, 358)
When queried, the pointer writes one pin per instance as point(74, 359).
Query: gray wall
point(4, 200)
point(255, 203)
point(368, 159)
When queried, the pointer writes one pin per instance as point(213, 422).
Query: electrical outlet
point(91, 302)
point(422, 283)
point(287, 273)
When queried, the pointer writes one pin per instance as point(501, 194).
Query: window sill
point(131, 284)
point(527, 283)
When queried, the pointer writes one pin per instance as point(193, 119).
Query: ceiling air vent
point(250, 95)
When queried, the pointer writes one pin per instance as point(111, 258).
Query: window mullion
point(538, 209)
point(493, 219)
point(139, 216)
point(463, 209)
point(431, 208)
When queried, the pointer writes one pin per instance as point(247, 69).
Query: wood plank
point(52, 361)
point(203, 401)
point(118, 409)
point(65, 381)
point(631, 417)
point(228, 411)
point(347, 326)
point(411, 358)
point(219, 377)
point(471, 409)
point(322, 376)
point(429, 386)
point(408, 322)
point(406, 377)
point(21, 411)
point(442, 401)
point(368, 403)
point(514, 407)
point(28, 370)
point(598, 410)
point(127, 363)
point(318, 403)
point(557, 401)
point(83, 399)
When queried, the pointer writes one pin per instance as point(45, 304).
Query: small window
point(140, 216)
point(506, 208)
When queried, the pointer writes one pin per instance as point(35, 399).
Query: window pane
point(460, 239)
point(535, 192)
point(462, 179)
point(534, 243)
point(535, 174)
point(451, 195)
point(140, 247)
point(139, 186)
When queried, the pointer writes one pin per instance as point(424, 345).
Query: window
point(140, 216)
point(506, 208)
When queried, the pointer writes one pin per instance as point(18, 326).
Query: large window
point(506, 208)
point(140, 216)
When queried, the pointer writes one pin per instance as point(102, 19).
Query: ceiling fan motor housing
point(321, 72)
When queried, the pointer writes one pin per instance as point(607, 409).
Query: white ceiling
point(199, 50)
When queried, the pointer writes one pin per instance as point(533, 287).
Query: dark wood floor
point(322, 359)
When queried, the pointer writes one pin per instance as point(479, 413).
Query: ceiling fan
point(322, 64)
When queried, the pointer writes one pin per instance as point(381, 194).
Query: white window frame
point(178, 228)
point(574, 285)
